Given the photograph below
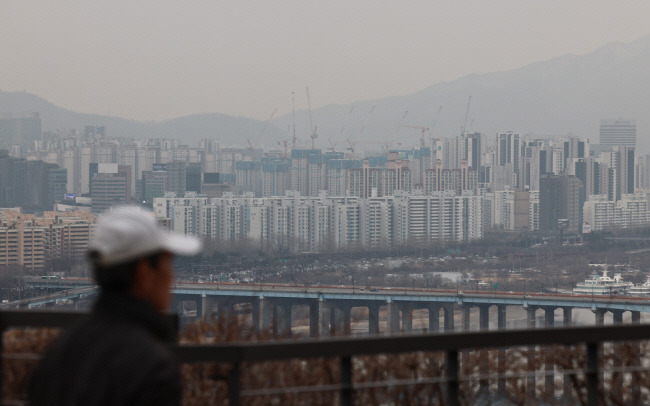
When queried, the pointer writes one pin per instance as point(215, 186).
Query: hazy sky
point(153, 60)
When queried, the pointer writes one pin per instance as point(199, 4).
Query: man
point(119, 355)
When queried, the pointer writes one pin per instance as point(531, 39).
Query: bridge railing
point(241, 356)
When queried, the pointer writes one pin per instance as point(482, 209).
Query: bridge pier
point(484, 317)
point(484, 325)
point(266, 310)
point(282, 319)
point(466, 311)
point(347, 320)
point(325, 317)
point(315, 311)
point(501, 352)
point(256, 314)
point(434, 318)
point(549, 317)
point(636, 362)
point(207, 302)
point(530, 361)
point(530, 316)
point(600, 316)
point(567, 314)
point(449, 318)
point(340, 319)
point(334, 320)
point(618, 347)
point(393, 317)
point(407, 317)
point(549, 365)
point(373, 318)
point(501, 317)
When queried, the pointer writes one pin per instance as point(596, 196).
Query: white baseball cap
point(130, 232)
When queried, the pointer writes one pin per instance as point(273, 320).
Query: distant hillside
point(568, 94)
point(229, 130)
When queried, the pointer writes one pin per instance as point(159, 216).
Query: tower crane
point(466, 115)
point(386, 144)
point(251, 146)
point(352, 141)
point(332, 145)
point(293, 115)
point(351, 148)
point(284, 143)
point(313, 135)
point(423, 131)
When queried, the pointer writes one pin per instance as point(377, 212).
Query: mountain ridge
point(567, 94)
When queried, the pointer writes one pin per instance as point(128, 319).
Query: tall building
point(176, 177)
point(108, 189)
point(550, 206)
point(57, 182)
point(154, 184)
point(508, 150)
point(620, 132)
point(193, 178)
point(560, 197)
point(300, 169)
point(22, 131)
point(32, 185)
point(337, 175)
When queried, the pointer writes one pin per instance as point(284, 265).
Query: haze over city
point(371, 169)
point(160, 60)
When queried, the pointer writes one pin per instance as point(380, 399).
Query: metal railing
point(345, 349)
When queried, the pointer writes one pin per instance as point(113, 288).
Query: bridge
point(330, 307)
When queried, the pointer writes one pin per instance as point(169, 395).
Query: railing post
point(2, 342)
point(452, 378)
point(592, 374)
point(346, 381)
point(233, 385)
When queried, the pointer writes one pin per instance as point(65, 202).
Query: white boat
point(603, 285)
point(642, 289)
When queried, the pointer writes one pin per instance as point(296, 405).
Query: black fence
point(242, 355)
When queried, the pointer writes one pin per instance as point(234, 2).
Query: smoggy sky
point(154, 60)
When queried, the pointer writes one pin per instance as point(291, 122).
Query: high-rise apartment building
point(620, 132)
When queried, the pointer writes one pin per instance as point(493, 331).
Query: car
point(373, 290)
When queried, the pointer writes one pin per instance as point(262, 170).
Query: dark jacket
point(119, 355)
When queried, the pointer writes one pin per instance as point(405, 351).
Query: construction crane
point(313, 135)
point(284, 143)
point(423, 132)
point(352, 144)
point(251, 146)
point(346, 121)
point(406, 112)
point(293, 115)
point(466, 115)
point(332, 145)
point(386, 144)
point(352, 141)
